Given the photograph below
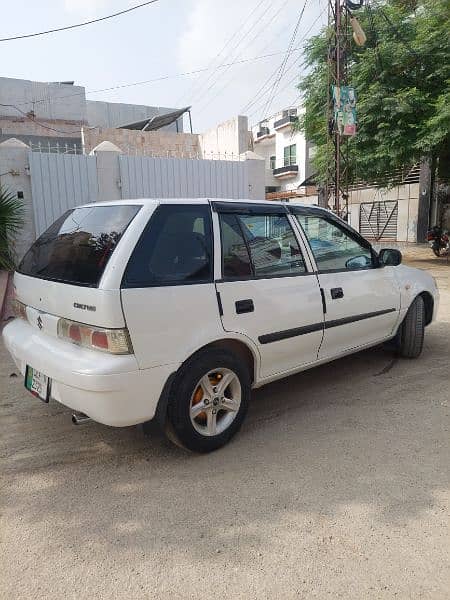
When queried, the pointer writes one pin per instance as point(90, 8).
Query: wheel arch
point(232, 344)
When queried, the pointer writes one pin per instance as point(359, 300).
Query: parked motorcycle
point(439, 241)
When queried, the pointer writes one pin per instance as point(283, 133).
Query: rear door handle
point(337, 293)
point(244, 306)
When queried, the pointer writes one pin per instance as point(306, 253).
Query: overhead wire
point(250, 42)
point(254, 99)
point(144, 82)
point(284, 61)
point(30, 118)
point(83, 24)
point(225, 46)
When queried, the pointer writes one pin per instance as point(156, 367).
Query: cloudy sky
point(166, 40)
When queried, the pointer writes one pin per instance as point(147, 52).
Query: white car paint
point(168, 324)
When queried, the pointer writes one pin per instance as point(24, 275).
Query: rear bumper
point(110, 389)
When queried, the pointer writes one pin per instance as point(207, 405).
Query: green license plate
point(37, 383)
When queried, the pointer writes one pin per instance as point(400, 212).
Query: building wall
point(34, 134)
point(274, 145)
point(153, 143)
point(406, 195)
point(48, 100)
point(15, 178)
point(62, 109)
point(231, 137)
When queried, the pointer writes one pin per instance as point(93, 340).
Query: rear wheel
point(412, 330)
point(208, 401)
point(436, 249)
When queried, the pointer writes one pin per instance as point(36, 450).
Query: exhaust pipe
point(80, 418)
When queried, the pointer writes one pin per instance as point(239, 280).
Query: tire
point(213, 380)
point(411, 333)
point(436, 249)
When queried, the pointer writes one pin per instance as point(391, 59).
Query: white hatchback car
point(174, 309)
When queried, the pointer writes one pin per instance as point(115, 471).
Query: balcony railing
point(284, 121)
point(286, 171)
point(262, 132)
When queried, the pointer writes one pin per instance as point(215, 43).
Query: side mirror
point(390, 257)
point(358, 262)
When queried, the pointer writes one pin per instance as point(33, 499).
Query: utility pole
point(338, 46)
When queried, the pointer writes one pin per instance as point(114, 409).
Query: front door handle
point(337, 293)
point(244, 306)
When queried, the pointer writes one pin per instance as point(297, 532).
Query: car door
point(268, 290)
point(168, 293)
point(362, 299)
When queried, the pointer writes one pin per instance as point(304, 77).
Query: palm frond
point(11, 222)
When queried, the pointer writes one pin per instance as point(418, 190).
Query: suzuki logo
point(39, 322)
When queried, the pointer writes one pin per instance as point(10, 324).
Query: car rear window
point(77, 247)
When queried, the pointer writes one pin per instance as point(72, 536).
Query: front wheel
point(436, 250)
point(411, 333)
point(208, 401)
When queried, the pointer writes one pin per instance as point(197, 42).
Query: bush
point(11, 221)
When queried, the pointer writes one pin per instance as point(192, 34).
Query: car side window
point(175, 248)
point(260, 246)
point(334, 248)
point(235, 256)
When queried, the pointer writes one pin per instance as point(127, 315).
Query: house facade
point(286, 153)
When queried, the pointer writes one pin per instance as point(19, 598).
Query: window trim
point(225, 279)
point(352, 234)
point(141, 285)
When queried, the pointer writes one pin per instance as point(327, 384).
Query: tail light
point(19, 309)
point(115, 341)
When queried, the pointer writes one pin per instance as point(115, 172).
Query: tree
point(11, 221)
point(402, 81)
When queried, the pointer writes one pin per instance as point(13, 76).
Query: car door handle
point(244, 306)
point(337, 293)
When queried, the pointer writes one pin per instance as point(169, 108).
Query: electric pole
point(338, 47)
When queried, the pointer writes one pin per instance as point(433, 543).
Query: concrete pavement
point(338, 486)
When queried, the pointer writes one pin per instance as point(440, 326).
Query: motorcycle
point(439, 241)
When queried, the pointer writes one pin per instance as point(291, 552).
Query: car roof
point(144, 201)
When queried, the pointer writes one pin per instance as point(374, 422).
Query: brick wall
point(152, 143)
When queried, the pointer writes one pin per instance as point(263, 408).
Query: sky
point(167, 39)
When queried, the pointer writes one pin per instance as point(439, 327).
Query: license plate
point(37, 383)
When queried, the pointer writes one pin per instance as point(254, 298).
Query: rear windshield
point(77, 247)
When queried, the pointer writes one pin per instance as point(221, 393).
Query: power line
point(284, 61)
point(225, 46)
point(117, 14)
point(288, 83)
point(258, 33)
point(254, 99)
point(135, 83)
point(27, 116)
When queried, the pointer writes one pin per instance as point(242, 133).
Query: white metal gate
point(60, 182)
point(150, 177)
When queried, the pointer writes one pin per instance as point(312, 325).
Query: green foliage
point(11, 221)
point(402, 81)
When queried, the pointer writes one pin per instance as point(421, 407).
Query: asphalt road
point(338, 486)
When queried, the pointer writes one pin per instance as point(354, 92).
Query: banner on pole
point(344, 100)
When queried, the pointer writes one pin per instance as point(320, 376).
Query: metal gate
point(148, 177)
point(60, 182)
point(378, 220)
